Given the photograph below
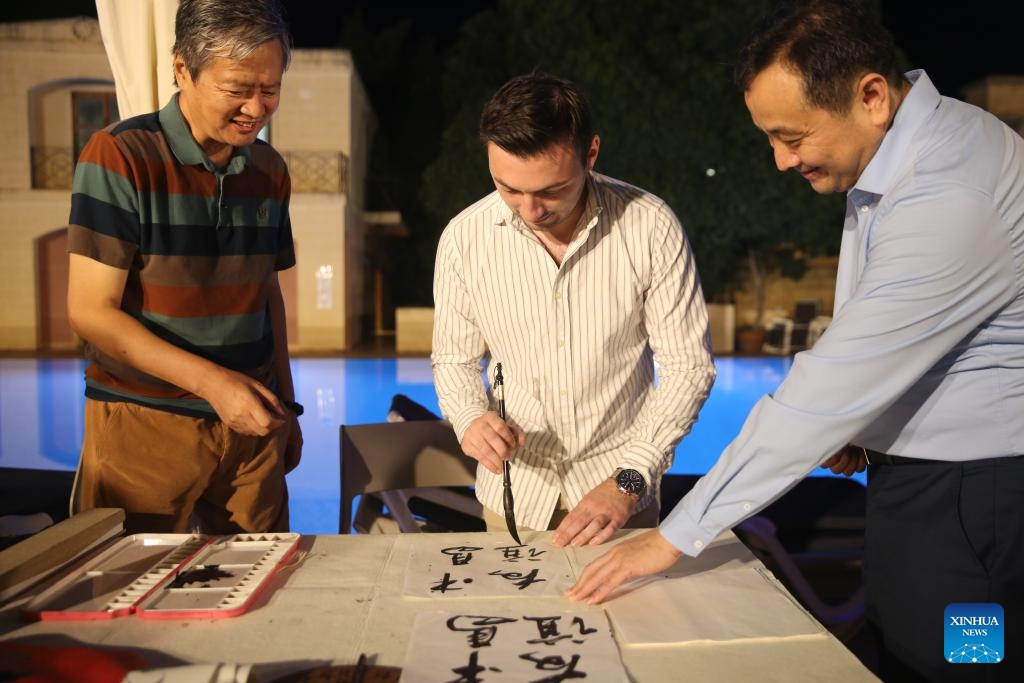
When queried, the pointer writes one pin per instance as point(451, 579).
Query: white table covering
point(719, 617)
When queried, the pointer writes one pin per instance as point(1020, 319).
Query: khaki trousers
point(172, 473)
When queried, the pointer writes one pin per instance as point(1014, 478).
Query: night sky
point(956, 42)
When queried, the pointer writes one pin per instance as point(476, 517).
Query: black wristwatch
point(630, 482)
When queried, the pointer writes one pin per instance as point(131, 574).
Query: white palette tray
point(167, 576)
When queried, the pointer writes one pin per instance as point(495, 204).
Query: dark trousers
point(942, 533)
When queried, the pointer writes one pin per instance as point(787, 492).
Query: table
point(344, 597)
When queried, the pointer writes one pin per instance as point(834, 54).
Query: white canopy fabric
point(138, 36)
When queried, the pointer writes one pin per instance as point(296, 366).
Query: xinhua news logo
point(974, 633)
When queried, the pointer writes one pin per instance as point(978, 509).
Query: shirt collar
point(595, 203)
point(185, 148)
point(588, 219)
point(922, 99)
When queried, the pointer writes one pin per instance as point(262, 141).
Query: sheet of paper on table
point(725, 605)
point(511, 646)
point(447, 566)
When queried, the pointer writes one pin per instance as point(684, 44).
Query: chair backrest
point(399, 455)
point(805, 311)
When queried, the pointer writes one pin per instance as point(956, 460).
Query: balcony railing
point(318, 171)
point(53, 168)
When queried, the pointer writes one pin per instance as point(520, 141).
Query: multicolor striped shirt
point(200, 245)
point(577, 341)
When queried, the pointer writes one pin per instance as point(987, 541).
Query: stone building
point(58, 88)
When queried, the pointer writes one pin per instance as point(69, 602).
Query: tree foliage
point(401, 68)
point(659, 79)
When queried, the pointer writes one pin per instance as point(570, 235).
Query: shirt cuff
point(649, 462)
point(462, 420)
point(644, 458)
point(682, 532)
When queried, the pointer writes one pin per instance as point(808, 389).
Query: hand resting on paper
point(643, 555)
point(597, 516)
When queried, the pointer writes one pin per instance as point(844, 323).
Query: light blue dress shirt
point(925, 353)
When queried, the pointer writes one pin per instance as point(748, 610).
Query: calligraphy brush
point(507, 501)
point(359, 675)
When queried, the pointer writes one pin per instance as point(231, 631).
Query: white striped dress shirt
point(577, 342)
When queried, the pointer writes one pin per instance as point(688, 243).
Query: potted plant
point(749, 339)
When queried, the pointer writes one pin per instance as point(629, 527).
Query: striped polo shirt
point(200, 244)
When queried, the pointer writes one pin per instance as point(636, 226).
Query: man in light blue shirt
point(920, 374)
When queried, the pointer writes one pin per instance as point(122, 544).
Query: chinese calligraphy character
point(557, 663)
point(481, 629)
point(547, 627)
point(460, 554)
point(470, 672)
point(504, 646)
point(514, 553)
point(448, 583)
point(578, 621)
point(478, 569)
point(519, 579)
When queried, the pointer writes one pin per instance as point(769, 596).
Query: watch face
point(631, 481)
